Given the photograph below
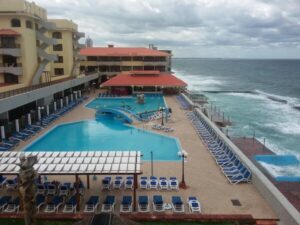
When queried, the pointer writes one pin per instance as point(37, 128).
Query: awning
point(8, 32)
point(76, 163)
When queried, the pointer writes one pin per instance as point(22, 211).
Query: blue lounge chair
point(40, 201)
point(2, 181)
point(173, 183)
point(51, 189)
point(158, 203)
point(13, 206)
point(193, 204)
point(64, 190)
point(117, 182)
point(128, 184)
point(163, 183)
point(106, 183)
point(41, 189)
point(177, 204)
point(153, 183)
point(12, 184)
point(144, 183)
point(108, 204)
point(54, 205)
point(4, 201)
point(71, 204)
point(92, 204)
point(143, 204)
point(126, 204)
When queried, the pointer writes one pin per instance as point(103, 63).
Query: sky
point(190, 28)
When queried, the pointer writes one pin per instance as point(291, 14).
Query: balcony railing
point(13, 69)
point(9, 45)
point(16, 52)
point(18, 91)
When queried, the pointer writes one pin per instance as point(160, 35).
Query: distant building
point(89, 42)
point(109, 61)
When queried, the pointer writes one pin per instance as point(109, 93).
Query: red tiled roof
point(8, 32)
point(129, 79)
point(120, 51)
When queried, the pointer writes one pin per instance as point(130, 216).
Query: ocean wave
point(277, 171)
point(279, 98)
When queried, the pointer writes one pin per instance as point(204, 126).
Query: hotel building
point(111, 60)
point(39, 59)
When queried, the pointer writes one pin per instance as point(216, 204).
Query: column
point(39, 113)
point(47, 110)
point(55, 106)
point(2, 133)
point(79, 93)
point(67, 100)
point(61, 103)
point(71, 97)
point(29, 118)
point(17, 125)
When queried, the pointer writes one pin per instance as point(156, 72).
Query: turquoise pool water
point(151, 103)
point(281, 167)
point(107, 134)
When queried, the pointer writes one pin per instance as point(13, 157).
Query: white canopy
point(70, 163)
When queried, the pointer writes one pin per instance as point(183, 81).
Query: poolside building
point(111, 60)
point(151, 81)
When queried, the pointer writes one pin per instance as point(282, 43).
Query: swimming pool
point(281, 167)
point(151, 103)
point(107, 134)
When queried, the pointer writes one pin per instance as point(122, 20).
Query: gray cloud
point(253, 28)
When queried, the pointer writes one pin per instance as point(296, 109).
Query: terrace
point(202, 175)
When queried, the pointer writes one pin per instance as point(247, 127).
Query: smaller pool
point(130, 103)
point(281, 167)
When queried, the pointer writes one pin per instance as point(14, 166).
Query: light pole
point(182, 183)
point(162, 115)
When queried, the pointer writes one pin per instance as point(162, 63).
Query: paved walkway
point(203, 176)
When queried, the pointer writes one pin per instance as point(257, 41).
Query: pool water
point(107, 134)
point(281, 167)
point(151, 103)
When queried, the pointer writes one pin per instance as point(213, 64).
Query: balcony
point(48, 25)
point(47, 40)
point(76, 45)
point(79, 34)
point(16, 70)
point(10, 49)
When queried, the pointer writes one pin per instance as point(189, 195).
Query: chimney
point(110, 46)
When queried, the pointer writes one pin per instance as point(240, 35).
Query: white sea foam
point(290, 100)
point(277, 171)
point(247, 95)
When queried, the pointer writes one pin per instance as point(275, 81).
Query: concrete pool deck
point(202, 175)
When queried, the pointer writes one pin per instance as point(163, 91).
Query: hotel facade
point(39, 60)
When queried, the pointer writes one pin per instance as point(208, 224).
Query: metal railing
point(22, 90)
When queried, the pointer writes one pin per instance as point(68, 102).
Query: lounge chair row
point(231, 166)
point(183, 103)
point(10, 184)
point(144, 183)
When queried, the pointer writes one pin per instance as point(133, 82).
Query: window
point(15, 23)
point(58, 47)
point(58, 71)
point(28, 24)
point(56, 35)
point(60, 59)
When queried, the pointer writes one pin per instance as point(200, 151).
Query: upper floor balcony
point(10, 49)
point(13, 69)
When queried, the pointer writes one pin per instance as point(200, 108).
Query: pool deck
point(252, 147)
point(202, 175)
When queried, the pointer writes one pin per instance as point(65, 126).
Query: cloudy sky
point(191, 28)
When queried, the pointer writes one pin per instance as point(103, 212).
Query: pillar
point(29, 118)
point(71, 97)
point(61, 103)
point(17, 125)
point(47, 110)
point(67, 100)
point(2, 132)
point(39, 114)
point(79, 93)
point(54, 106)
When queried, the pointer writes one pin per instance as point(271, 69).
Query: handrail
point(22, 90)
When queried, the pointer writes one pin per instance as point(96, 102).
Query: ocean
point(261, 96)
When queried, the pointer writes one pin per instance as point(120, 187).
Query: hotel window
point(126, 58)
point(58, 71)
point(15, 23)
point(58, 47)
point(56, 35)
point(60, 59)
point(28, 24)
